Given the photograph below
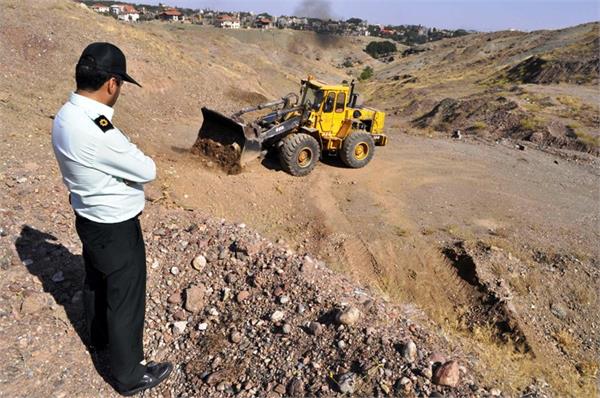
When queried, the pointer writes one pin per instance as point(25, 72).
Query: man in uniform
point(104, 173)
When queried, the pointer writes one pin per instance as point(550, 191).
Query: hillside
point(496, 85)
point(479, 250)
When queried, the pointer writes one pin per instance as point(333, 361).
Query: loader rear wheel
point(357, 150)
point(299, 154)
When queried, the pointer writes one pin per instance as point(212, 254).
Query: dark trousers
point(115, 292)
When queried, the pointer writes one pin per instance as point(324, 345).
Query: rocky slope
point(237, 314)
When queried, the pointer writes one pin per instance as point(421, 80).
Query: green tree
point(377, 49)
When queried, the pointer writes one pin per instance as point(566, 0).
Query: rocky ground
point(237, 314)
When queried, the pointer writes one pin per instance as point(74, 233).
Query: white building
point(115, 9)
point(101, 8)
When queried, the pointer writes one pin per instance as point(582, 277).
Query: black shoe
point(155, 373)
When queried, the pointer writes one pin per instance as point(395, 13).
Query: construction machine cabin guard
point(324, 119)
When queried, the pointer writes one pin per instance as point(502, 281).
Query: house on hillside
point(115, 9)
point(262, 22)
point(283, 22)
point(128, 13)
point(171, 15)
point(247, 19)
point(227, 21)
point(100, 8)
point(297, 23)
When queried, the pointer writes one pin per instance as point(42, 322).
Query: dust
point(319, 9)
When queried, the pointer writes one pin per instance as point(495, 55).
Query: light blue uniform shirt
point(103, 171)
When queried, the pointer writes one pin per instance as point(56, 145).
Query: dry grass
point(565, 340)
point(479, 125)
point(532, 123)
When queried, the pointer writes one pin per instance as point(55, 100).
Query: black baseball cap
point(108, 58)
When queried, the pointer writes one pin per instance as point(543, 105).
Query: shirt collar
point(91, 106)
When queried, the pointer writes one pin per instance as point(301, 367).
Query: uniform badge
point(104, 124)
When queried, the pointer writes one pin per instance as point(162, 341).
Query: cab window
point(339, 104)
point(329, 102)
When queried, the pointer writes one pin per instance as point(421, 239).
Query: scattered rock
point(235, 337)
point(403, 386)
point(194, 298)
point(180, 315)
point(279, 389)
point(315, 328)
point(447, 374)
point(242, 296)
point(179, 326)
point(409, 351)
point(558, 310)
point(277, 316)
point(349, 316)
point(286, 328)
point(174, 270)
point(202, 326)
point(215, 378)
point(427, 373)
point(199, 262)
point(284, 299)
point(174, 298)
point(347, 382)
point(295, 388)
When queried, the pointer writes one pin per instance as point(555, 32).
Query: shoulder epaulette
point(103, 122)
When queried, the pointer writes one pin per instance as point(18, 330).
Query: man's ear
point(112, 85)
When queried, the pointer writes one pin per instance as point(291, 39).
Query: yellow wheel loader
point(323, 119)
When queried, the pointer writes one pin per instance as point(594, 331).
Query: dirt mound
point(494, 116)
point(272, 321)
point(226, 156)
point(540, 70)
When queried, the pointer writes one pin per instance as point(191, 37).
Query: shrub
point(378, 49)
point(366, 73)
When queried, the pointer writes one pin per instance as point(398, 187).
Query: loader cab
point(328, 105)
point(313, 97)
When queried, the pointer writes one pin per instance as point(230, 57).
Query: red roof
point(129, 9)
point(99, 6)
point(225, 17)
point(172, 12)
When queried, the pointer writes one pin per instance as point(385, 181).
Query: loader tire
point(299, 154)
point(357, 150)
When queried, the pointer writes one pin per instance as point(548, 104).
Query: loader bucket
point(225, 141)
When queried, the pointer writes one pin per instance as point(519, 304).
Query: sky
point(481, 15)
